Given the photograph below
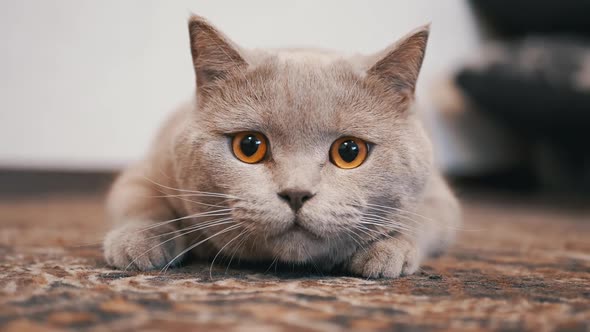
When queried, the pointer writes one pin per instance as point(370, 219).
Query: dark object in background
point(538, 86)
point(519, 17)
point(39, 183)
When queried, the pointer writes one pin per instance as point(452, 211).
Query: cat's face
point(296, 201)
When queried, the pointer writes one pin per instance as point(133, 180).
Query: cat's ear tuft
point(214, 55)
point(399, 64)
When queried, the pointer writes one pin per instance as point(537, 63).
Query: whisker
point(240, 244)
point(164, 242)
point(379, 209)
point(400, 210)
point(188, 191)
point(182, 197)
point(382, 218)
point(351, 234)
point(274, 261)
point(359, 228)
point(164, 194)
point(389, 228)
point(215, 213)
point(311, 261)
point(386, 209)
point(378, 233)
point(408, 218)
point(388, 222)
point(193, 227)
point(220, 250)
point(201, 203)
point(191, 247)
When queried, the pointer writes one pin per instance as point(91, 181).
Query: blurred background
point(504, 91)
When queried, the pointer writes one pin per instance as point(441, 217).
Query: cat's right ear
point(214, 55)
point(398, 65)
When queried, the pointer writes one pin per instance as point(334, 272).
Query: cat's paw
point(133, 246)
point(389, 258)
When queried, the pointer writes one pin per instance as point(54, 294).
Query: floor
point(517, 266)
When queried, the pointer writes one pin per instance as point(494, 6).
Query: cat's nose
point(295, 197)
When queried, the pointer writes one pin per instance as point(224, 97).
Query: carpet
point(516, 266)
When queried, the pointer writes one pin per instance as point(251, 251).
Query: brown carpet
point(516, 267)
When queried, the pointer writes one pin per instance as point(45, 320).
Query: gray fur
point(302, 101)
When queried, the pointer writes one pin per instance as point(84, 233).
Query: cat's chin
point(298, 245)
point(299, 230)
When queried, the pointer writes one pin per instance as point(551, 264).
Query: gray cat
point(290, 155)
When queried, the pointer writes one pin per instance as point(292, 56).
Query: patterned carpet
point(516, 267)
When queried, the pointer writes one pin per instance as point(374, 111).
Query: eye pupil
point(348, 151)
point(249, 145)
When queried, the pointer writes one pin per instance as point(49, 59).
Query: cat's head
point(318, 149)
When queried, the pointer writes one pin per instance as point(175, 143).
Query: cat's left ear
point(214, 54)
point(398, 65)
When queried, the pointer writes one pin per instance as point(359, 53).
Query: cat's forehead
point(309, 56)
point(296, 93)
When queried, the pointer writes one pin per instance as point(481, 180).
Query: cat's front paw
point(140, 246)
point(389, 258)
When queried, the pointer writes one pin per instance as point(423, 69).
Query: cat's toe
point(133, 247)
point(389, 258)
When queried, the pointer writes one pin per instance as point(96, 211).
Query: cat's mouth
point(298, 227)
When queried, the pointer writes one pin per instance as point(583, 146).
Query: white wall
point(84, 84)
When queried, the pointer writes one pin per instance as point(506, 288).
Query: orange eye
point(348, 152)
point(249, 147)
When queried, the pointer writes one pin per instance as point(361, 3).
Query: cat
point(288, 155)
